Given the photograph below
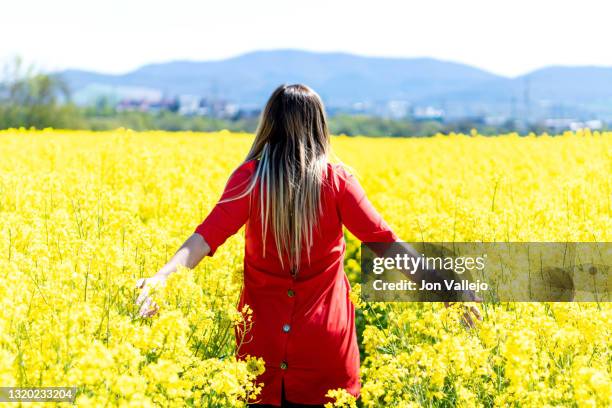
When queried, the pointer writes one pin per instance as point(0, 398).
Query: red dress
point(303, 327)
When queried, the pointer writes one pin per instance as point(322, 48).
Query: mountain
point(341, 79)
point(556, 91)
point(344, 79)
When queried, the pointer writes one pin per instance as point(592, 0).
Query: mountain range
point(344, 80)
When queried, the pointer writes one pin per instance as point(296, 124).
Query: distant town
point(363, 96)
point(191, 105)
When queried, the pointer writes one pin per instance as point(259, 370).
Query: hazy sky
point(508, 37)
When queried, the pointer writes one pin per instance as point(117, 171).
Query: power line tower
point(526, 100)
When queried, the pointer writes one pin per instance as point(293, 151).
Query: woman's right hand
point(147, 306)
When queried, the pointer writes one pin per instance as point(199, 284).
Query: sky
point(115, 36)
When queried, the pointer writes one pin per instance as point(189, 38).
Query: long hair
point(292, 145)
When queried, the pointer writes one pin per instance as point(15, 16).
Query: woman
point(294, 204)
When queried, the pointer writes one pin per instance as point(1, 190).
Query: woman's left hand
point(471, 314)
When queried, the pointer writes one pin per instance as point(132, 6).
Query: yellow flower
point(341, 399)
point(84, 214)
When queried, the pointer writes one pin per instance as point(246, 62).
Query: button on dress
point(303, 326)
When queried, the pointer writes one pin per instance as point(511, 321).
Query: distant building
point(189, 105)
point(589, 124)
point(183, 104)
point(147, 105)
point(428, 113)
point(398, 109)
point(558, 124)
point(360, 107)
point(495, 120)
point(561, 124)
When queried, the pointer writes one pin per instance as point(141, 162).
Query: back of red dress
point(304, 326)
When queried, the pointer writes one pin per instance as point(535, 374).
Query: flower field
point(85, 214)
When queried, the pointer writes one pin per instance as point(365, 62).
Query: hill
point(344, 79)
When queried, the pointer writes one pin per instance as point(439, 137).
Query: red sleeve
point(227, 217)
point(358, 214)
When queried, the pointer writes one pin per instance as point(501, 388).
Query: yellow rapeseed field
point(84, 214)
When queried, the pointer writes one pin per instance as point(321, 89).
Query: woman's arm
point(226, 218)
point(189, 255)
point(361, 218)
point(193, 250)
